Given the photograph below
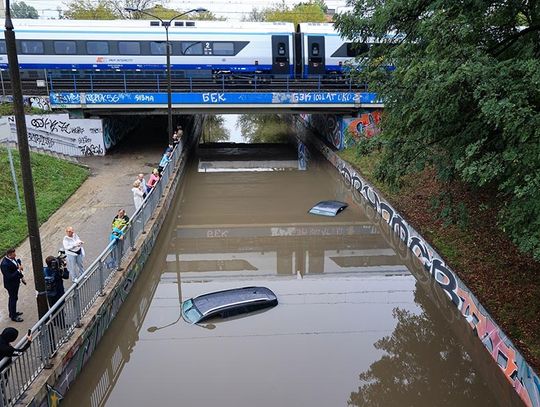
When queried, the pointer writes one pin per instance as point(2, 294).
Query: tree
point(299, 13)
point(23, 10)
point(263, 128)
point(312, 11)
point(254, 15)
point(89, 10)
point(214, 129)
point(104, 9)
point(463, 97)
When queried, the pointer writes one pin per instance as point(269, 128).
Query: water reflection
point(245, 128)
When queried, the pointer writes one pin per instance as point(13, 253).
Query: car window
point(190, 312)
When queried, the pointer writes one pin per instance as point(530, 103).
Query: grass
point(55, 181)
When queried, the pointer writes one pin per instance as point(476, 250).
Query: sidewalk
point(90, 211)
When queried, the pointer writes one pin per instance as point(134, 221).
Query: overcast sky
point(231, 9)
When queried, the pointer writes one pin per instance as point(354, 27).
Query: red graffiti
point(367, 125)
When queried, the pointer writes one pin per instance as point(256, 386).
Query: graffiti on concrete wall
point(365, 125)
point(515, 368)
point(343, 131)
point(61, 134)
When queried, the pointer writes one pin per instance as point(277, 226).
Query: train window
point(129, 48)
point(315, 49)
point(158, 47)
point(3, 47)
point(354, 50)
point(97, 47)
point(31, 47)
point(281, 48)
point(65, 47)
point(192, 48)
point(223, 48)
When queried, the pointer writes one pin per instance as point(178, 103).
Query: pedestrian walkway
point(90, 211)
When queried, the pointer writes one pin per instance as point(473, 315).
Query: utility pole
point(26, 169)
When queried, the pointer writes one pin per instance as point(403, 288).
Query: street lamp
point(167, 24)
point(26, 169)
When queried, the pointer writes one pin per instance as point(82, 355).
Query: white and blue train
point(198, 48)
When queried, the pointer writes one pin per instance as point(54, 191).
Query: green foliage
point(22, 10)
point(54, 182)
point(263, 128)
point(6, 109)
point(90, 10)
point(312, 11)
point(464, 96)
point(214, 129)
point(169, 13)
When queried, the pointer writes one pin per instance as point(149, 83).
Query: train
point(198, 49)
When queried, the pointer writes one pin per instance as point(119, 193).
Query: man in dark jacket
point(12, 268)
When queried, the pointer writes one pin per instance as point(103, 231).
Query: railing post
point(125, 83)
point(223, 82)
point(101, 277)
point(157, 82)
point(51, 82)
point(74, 83)
point(190, 84)
point(77, 305)
point(131, 238)
point(255, 83)
point(92, 82)
point(45, 345)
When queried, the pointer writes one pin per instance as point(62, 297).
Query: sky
point(230, 9)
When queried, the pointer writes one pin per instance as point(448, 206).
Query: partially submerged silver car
point(328, 208)
point(227, 303)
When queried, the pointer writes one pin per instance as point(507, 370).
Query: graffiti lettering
point(77, 130)
point(40, 140)
point(84, 140)
point(50, 125)
point(144, 98)
point(214, 97)
point(91, 150)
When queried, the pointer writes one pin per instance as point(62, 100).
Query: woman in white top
point(138, 195)
point(74, 252)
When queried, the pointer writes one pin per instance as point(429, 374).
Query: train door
point(280, 55)
point(315, 55)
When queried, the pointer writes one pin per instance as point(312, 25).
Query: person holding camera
point(55, 273)
point(12, 268)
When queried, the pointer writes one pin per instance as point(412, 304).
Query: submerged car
point(328, 208)
point(227, 303)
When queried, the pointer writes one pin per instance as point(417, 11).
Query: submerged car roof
point(328, 208)
point(207, 302)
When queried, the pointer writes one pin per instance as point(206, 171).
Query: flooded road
point(356, 324)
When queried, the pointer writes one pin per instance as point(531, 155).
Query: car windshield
point(190, 312)
point(328, 208)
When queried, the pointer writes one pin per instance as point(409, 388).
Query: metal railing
point(59, 323)
point(155, 82)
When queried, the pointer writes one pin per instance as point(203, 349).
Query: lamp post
point(167, 24)
point(26, 169)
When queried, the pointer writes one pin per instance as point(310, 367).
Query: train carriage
point(198, 48)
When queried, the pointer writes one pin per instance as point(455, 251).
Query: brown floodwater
point(358, 323)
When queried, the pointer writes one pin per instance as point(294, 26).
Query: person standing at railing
point(8, 336)
point(152, 181)
point(142, 185)
point(164, 161)
point(75, 253)
point(117, 236)
point(138, 195)
point(12, 269)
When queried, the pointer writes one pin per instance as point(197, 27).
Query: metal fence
point(156, 81)
point(58, 324)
